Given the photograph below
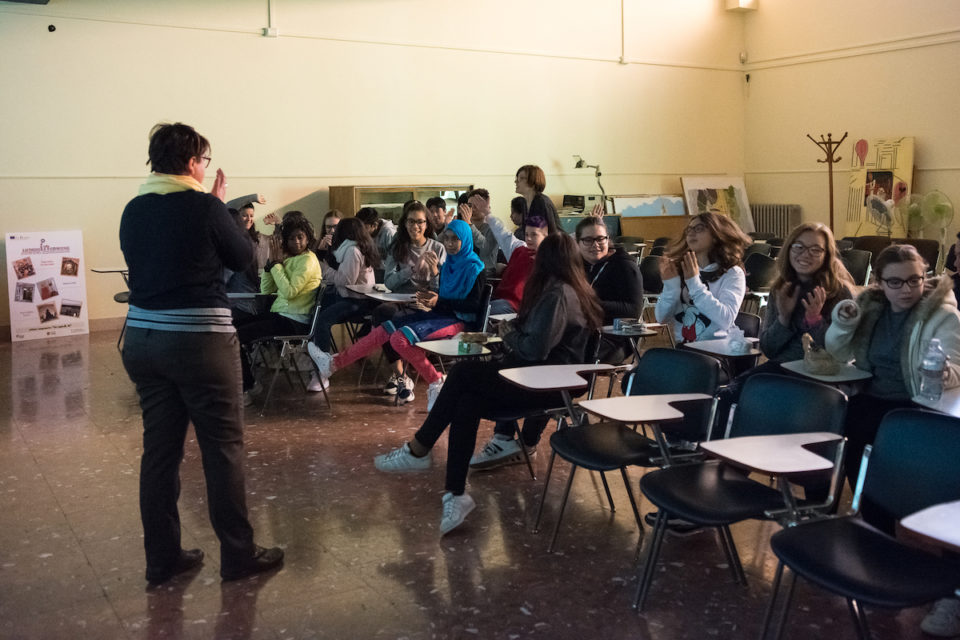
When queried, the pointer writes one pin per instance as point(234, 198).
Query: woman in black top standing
point(182, 354)
point(530, 183)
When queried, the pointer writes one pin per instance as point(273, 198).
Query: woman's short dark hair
point(172, 146)
point(294, 223)
point(534, 176)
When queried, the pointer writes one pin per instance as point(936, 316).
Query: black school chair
point(717, 495)
point(912, 465)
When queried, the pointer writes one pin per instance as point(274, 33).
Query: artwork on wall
point(649, 205)
point(881, 174)
point(720, 194)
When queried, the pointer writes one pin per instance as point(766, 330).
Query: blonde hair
point(832, 275)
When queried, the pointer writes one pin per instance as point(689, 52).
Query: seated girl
point(413, 264)
point(558, 315)
point(294, 276)
point(810, 283)
point(355, 256)
point(447, 313)
point(245, 280)
point(707, 298)
point(886, 332)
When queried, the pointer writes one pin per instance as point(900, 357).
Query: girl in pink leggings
point(453, 308)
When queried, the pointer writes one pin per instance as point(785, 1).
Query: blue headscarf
point(460, 271)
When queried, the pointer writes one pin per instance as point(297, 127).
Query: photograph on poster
point(48, 288)
point(24, 268)
point(70, 308)
point(47, 312)
point(69, 266)
point(24, 292)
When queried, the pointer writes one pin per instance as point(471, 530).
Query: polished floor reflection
point(364, 558)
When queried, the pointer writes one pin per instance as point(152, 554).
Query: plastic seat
point(858, 264)
point(608, 446)
point(714, 494)
point(910, 466)
point(757, 247)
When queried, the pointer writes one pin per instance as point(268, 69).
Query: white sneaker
point(433, 390)
point(317, 383)
point(943, 621)
point(322, 359)
point(455, 511)
point(500, 451)
point(405, 391)
point(392, 383)
point(400, 460)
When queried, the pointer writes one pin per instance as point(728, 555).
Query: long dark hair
point(729, 242)
point(354, 229)
point(559, 259)
point(401, 241)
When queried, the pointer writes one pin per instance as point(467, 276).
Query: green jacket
point(295, 282)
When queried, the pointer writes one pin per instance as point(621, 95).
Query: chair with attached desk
point(286, 350)
point(717, 494)
point(912, 466)
point(608, 446)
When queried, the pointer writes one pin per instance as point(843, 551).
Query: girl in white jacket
point(707, 299)
point(886, 331)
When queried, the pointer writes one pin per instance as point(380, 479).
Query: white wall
point(873, 68)
point(357, 92)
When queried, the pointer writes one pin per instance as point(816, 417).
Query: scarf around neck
point(163, 183)
point(460, 271)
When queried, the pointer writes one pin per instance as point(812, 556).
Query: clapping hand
point(220, 185)
point(427, 299)
point(481, 207)
point(690, 265)
point(431, 262)
point(668, 268)
point(787, 297)
point(449, 217)
point(813, 305)
point(272, 218)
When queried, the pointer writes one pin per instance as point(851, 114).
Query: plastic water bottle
point(931, 371)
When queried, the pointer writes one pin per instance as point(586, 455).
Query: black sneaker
point(675, 526)
point(189, 559)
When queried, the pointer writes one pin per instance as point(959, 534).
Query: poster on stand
point(48, 291)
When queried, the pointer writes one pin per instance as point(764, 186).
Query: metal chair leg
point(606, 489)
point(633, 501)
point(777, 576)
point(563, 506)
point(859, 619)
point(650, 563)
point(523, 449)
point(782, 621)
point(543, 497)
point(733, 558)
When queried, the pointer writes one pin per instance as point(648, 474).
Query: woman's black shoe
point(262, 560)
point(189, 559)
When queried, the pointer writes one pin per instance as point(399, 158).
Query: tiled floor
point(364, 559)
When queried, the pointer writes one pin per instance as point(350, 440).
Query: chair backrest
point(844, 244)
point(873, 244)
point(628, 239)
point(317, 301)
point(663, 370)
point(913, 465)
point(749, 323)
point(757, 247)
point(928, 248)
point(650, 272)
point(761, 271)
point(484, 316)
point(775, 242)
point(657, 250)
point(761, 235)
point(773, 404)
point(857, 262)
point(662, 241)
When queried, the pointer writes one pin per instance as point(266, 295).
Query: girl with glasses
point(703, 278)
point(886, 332)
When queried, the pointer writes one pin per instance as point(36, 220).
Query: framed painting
point(719, 194)
point(649, 205)
point(881, 174)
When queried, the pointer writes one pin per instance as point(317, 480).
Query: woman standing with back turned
point(182, 354)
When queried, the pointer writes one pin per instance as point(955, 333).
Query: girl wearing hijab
point(455, 307)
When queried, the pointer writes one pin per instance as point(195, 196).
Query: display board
point(47, 287)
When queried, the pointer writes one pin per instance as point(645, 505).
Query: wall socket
point(270, 32)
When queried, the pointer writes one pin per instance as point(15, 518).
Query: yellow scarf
point(169, 183)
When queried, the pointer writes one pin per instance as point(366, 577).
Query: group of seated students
point(563, 288)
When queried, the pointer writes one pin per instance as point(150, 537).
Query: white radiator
point(778, 219)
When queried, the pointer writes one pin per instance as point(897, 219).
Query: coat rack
point(829, 147)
